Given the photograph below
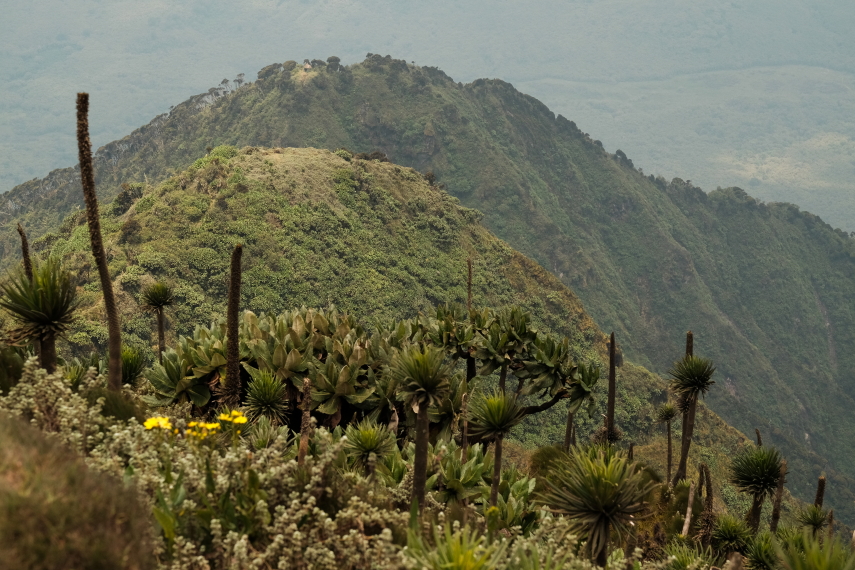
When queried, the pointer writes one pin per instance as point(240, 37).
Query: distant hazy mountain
point(755, 94)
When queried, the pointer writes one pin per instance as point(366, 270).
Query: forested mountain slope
point(763, 286)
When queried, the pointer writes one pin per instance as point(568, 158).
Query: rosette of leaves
point(814, 517)
point(493, 416)
point(366, 439)
point(334, 384)
point(580, 390)
point(688, 557)
point(447, 412)
point(514, 503)
point(174, 382)
point(451, 329)
point(282, 345)
point(461, 477)
point(755, 472)
point(266, 396)
point(760, 553)
point(730, 535)
point(264, 433)
point(133, 364)
point(206, 351)
point(505, 341)
point(42, 307)
point(549, 367)
point(601, 492)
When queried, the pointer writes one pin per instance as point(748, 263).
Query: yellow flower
point(240, 420)
point(192, 424)
point(211, 426)
point(159, 422)
point(225, 418)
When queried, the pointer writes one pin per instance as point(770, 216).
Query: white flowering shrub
point(219, 499)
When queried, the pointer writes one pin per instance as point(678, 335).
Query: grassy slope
point(762, 286)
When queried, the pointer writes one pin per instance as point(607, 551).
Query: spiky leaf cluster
point(599, 490)
point(43, 307)
point(266, 396)
point(756, 470)
point(691, 377)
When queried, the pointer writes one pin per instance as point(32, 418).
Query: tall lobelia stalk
point(820, 492)
point(87, 176)
point(28, 271)
point(610, 411)
point(25, 253)
point(232, 390)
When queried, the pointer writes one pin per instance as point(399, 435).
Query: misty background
point(757, 94)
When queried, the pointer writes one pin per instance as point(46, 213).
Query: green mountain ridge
point(763, 286)
point(375, 239)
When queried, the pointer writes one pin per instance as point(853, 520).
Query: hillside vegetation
point(381, 242)
point(763, 286)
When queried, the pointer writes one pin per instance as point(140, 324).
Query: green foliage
point(11, 366)
point(687, 557)
point(173, 383)
point(723, 263)
point(691, 377)
point(813, 517)
point(493, 415)
point(266, 397)
point(756, 470)
point(666, 413)
point(760, 554)
point(730, 534)
point(465, 549)
point(812, 553)
point(133, 364)
point(601, 492)
point(422, 374)
point(367, 443)
point(157, 296)
point(43, 308)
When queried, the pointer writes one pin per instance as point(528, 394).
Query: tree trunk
point(687, 442)
point(690, 344)
point(779, 495)
point(754, 513)
point(503, 375)
point(233, 384)
point(497, 472)
point(568, 432)
point(161, 334)
point(306, 425)
point(610, 412)
point(464, 438)
point(603, 554)
point(420, 463)
point(47, 355)
point(670, 452)
point(87, 176)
